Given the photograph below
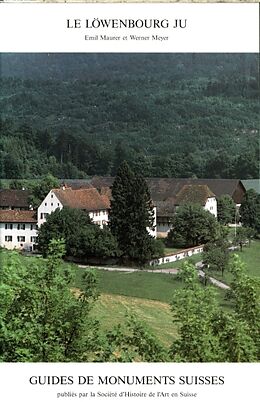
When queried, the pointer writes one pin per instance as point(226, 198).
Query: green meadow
point(250, 256)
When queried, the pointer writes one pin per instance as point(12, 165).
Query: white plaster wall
point(99, 217)
point(178, 256)
point(211, 206)
point(14, 232)
point(153, 232)
point(49, 205)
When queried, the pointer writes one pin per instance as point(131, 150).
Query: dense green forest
point(180, 115)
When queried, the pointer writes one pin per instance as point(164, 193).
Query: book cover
point(130, 147)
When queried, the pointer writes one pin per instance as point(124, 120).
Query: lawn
point(111, 310)
point(170, 250)
point(250, 256)
point(144, 285)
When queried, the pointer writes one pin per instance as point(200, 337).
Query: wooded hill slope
point(178, 115)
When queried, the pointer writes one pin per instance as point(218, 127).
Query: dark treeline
point(176, 115)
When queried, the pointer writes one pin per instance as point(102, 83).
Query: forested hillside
point(178, 115)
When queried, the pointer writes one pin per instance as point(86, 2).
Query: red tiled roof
point(14, 198)
point(7, 216)
point(106, 191)
point(88, 199)
point(165, 208)
point(76, 183)
point(193, 193)
point(163, 188)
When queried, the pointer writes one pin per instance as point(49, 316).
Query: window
point(44, 215)
point(21, 226)
point(45, 204)
point(58, 204)
point(33, 239)
point(8, 238)
point(52, 204)
point(51, 195)
point(34, 227)
point(21, 239)
point(9, 226)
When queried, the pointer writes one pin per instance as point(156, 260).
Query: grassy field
point(148, 294)
point(170, 250)
point(144, 285)
point(250, 256)
point(111, 310)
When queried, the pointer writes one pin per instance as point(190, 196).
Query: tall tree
point(215, 257)
point(250, 210)
point(216, 254)
point(41, 188)
point(226, 209)
point(130, 215)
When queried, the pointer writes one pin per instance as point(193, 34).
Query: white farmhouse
point(86, 199)
point(188, 194)
point(18, 229)
point(197, 194)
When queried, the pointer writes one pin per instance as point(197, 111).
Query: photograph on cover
point(129, 207)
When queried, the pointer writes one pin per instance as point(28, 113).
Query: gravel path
point(171, 271)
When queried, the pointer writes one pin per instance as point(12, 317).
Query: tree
point(132, 343)
point(82, 237)
point(41, 189)
point(17, 184)
point(250, 210)
point(241, 237)
point(226, 209)
point(215, 258)
point(245, 292)
point(216, 254)
point(130, 215)
point(42, 320)
point(209, 334)
point(193, 225)
point(250, 234)
point(194, 308)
